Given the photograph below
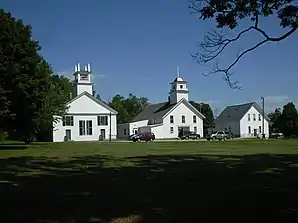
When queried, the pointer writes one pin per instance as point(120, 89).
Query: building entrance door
point(68, 134)
point(255, 132)
point(103, 133)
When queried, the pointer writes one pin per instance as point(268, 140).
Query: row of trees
point(29, 94)
point(285, 120)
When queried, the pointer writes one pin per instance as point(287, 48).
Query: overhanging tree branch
point(228, 13)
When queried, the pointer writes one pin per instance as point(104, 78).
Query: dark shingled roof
point(154, 111)
point(235, 112)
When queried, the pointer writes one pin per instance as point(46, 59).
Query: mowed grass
point(241, 180)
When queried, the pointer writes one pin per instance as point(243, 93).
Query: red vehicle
point(145, 136)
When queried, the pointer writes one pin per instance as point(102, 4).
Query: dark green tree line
point(129, 107)
point(285, 121)
point(30, 95)
point(206, 110)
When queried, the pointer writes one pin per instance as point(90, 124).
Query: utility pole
point(263, 108)
point(110, 138)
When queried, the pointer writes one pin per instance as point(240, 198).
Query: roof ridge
point(241, 104)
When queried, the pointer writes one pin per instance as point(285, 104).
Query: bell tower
point(82, 81)
point(179, 89)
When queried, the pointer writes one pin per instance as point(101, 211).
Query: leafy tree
point(275, 120)
point(134, 105)
point(54, 104)
point(98, 97)
point(28, 90)
point(117, 103)
point(228, 14)
point(289, 120)
point(19, 59)
point(4, 104)
point(206, 110)
point(128, 107)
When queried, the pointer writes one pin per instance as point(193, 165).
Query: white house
point(244, 120)
point(87, 118)
point(167, 118)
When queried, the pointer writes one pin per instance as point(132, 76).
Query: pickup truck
point(220, 135)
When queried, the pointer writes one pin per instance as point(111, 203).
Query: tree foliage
point(275, 120)
point(98, 97)
point(228, 14)
point(129, 107)
point(206, 110)
point(285, 121)
point(29, 94)
point(53, 104)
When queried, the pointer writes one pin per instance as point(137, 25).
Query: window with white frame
point(195, 129)
point(260, 129)
point(183, 118)
point(102, 120)
point(67, 121)
point(171, 130)
point(249, 130)
point(171, 119)
point(259, 117)
point(254, 117)
point(82, 127)
point(89, 127)
point(85, 127)
point(248, 117)
point(194, 119)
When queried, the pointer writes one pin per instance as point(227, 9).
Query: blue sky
point(134, 46)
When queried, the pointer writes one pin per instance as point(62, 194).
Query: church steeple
point(179, 89)
point(82, 80)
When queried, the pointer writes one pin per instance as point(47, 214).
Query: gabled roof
point(154, 111)
point(160, 110)
point(234, 113)
point(103, 104)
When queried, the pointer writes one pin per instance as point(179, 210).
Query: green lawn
point(241, 180)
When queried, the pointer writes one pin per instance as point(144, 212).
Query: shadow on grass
point(19, 145)
point(12, 146)
point(157, 188)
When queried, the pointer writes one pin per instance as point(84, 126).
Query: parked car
point(188, 135)
point(277, 135)
point(145, 136)
point(220, 135)
point(131, 137)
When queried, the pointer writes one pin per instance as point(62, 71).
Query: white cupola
point(179, 89)
point(82, 81)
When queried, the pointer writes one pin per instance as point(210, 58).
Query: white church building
point(166, 119)
point(87, 118)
